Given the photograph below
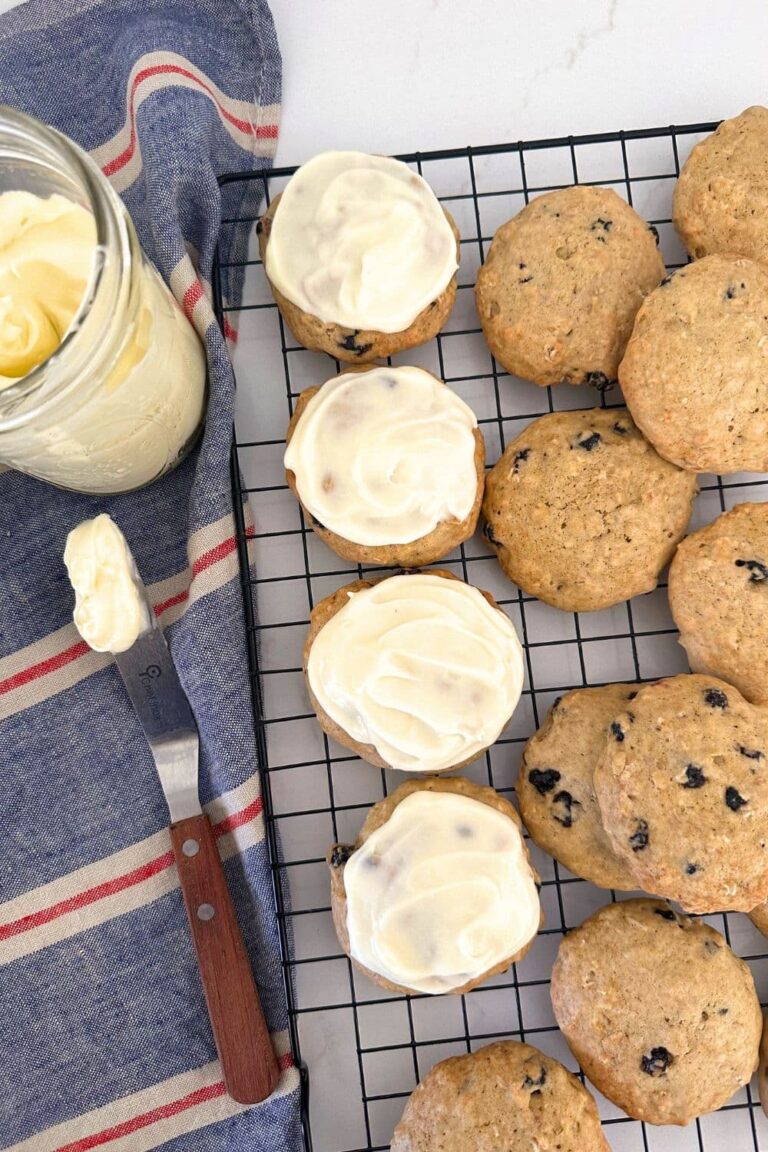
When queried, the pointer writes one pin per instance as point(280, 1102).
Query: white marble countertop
point(401, 75)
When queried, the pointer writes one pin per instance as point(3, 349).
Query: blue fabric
point(117, 1007)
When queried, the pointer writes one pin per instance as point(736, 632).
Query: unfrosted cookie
point(388, 465)
point(721, 198)
point(718, 593)
point(662, 1016)
point(562, 283)
point(418, 672)
point(437, 894)
point(759, 917)
point(582, 512)
point(555, 787)
point(508, 1097)
point(762, 1074)
point(683, 791)
point(695, 373)
point(360, 256)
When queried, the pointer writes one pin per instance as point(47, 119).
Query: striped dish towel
point(105, 1039)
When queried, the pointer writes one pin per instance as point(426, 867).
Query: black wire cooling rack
point(362, 1049)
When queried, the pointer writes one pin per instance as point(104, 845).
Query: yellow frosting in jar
point(139, 398)
point(47, 246)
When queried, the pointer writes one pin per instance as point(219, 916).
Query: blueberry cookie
point(360, 256)
point(695, 373)
point(562, 282)
point(759, 917)
point(437, 894)
point(418, 672)
point(507, 1096)
point(662, 1016)
point(388, 465)
point(721, 198)
point(718, 593)
point(683, 792)
point(555, 786)
point(582, 512)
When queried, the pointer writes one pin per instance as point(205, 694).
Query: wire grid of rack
point(363, 1049)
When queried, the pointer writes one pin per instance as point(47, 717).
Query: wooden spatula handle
point(239, 1029)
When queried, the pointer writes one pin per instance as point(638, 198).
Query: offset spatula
point(240, 1031)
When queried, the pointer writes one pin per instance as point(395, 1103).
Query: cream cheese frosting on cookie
point(421, 667)
point(383, 457)
point(440, 893)
point(360, 241)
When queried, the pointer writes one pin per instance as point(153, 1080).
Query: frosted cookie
point(507, 1096)
point(718, 593)
point(437, 893)
point(695, 373)
point(360, 256)
point(721, 199)
point(388, 465)
point(562, 282)
point(418, 672)
point(662, 1016)
point(582, 512)
point(555, 787)
point(683, 793)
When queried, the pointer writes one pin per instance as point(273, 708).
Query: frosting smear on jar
point(360, 241)
point(421, 667)
point(110, 609)
point(440, 894)
point(47, 249)
point(383, 457)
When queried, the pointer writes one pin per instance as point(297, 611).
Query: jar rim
point(103, 203)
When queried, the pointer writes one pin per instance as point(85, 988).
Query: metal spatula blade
point(153, 685)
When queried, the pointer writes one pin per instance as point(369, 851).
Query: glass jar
point(121, 400)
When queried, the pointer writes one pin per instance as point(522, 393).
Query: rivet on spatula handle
point(242, 1039)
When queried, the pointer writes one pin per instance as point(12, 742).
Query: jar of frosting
point(102, 377)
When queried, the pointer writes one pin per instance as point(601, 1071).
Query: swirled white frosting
point(47, 248)
point(383, 457)
point(110, 610)
point(360, 241)
point(421, 667)
point(440, 893)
